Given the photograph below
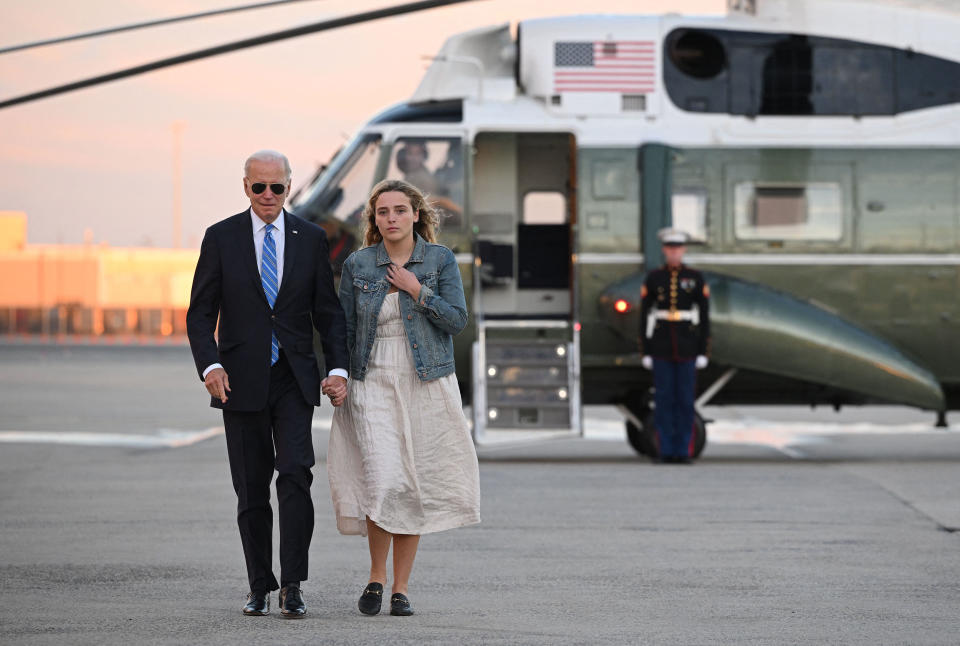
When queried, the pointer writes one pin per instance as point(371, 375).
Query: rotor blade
point(142, 25)
point(325, 25)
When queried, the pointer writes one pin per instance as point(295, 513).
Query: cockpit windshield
point(340, 192)
point(336, 198)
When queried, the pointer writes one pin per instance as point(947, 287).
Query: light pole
point(178, 128)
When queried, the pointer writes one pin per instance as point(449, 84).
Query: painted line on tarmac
point(162, 439)
point(787, 437)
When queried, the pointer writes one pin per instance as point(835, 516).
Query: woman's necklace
point(400, 264)
point(405, 260)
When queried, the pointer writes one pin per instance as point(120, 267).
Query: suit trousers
point(675, 384)
point(277, 437)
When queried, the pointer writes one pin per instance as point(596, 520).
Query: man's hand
point(335, 387)
point(404, 279)
point(217, 384)
point(647, 362)
point(702, 362)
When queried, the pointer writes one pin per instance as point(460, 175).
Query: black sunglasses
point(260, 187)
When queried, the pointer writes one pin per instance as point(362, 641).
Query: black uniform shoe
point(291, 602)
point(258, 604)
point(371, 599)
point(400, 605)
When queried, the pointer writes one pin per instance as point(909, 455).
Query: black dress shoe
point(258, 604)
point(371, 599)
point(291, 602)
point(400, 605)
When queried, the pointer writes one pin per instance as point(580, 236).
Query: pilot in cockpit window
point(412, 162)
point(435, 166)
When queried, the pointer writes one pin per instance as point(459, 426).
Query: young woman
point(401, 461)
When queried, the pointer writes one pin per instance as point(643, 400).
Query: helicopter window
point(435, 166)
point(697, 53)
point(355, 183)
point(689, 209)
point(541, 207)
point(753, 73)
point(804, 211)
point(342, 198)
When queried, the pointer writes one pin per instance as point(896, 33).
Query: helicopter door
point(526, 357)
point(522, 208)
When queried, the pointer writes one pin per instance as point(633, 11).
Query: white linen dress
point(400, 450)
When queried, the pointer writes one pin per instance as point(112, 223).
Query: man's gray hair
point(267, 156)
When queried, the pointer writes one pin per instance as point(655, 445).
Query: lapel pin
point(294, 231)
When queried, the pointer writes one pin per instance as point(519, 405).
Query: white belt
point(692, 315)
point(677, 315)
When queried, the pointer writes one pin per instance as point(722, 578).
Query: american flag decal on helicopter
point(624, 66)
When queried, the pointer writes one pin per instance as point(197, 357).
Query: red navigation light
point(621, 306)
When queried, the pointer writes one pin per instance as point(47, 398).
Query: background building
point(91, 292)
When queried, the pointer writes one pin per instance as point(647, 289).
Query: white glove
point(647, 362)
point(702, 362)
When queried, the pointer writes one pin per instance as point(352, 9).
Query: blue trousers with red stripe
point(675, 383)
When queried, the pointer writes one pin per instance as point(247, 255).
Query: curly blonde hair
point(426, 226)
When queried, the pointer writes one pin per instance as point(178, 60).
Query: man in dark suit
point(265, 274)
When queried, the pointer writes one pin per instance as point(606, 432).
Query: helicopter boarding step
point(526, 381)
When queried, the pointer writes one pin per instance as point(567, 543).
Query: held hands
point(335, 387)
point(404, 279)
point(217, 384)
point(647, 362)
point(702, 362)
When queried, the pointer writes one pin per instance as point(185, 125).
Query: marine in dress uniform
point(675, 342)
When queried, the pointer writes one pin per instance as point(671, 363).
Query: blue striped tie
point(268, 276)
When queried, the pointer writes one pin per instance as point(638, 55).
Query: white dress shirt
point(279, 239)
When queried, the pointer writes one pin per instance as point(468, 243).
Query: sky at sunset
point(101, 158)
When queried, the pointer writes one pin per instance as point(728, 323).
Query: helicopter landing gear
point(643, 442)
point(642, 434)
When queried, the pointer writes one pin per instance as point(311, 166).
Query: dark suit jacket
point(227, 285)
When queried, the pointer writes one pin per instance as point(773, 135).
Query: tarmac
point(117, 526)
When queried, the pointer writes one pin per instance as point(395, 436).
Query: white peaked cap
point(671, 236)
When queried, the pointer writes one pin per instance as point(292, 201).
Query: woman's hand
point(404, 279)
point(334, 387)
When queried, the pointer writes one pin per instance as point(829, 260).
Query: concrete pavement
point(581, 542)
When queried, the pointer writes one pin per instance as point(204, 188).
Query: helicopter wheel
point(645, 442)
point(642, 441)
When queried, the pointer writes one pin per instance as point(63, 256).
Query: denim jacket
point(430, 322)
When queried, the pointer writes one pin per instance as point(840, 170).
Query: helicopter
point(811, 149)
point(815, 167)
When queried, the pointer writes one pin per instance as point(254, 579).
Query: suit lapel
point(291, 243)
point(245, 239)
